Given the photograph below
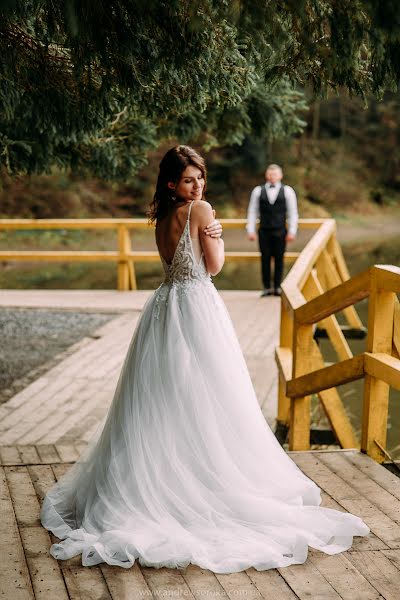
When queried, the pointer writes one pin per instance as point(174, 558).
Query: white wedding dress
point(185, 468)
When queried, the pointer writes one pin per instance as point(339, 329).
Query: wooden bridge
point(44, 427)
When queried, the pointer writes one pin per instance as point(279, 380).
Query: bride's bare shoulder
point(202, 209)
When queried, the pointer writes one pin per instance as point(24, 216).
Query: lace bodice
point(186, 270)
point(185, 267)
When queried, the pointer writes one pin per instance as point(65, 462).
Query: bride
point(185, 468)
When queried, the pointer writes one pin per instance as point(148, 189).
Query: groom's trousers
point(272, 244)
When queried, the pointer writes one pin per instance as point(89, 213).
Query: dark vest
point(273, 216)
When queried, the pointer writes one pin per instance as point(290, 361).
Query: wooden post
point(336, 253)
point(131, 264)
point(376, 392)
point(396, 329)
point(286, 340)
point(300, 408)
point(329, 277)
point(312, 289)
point(126, 272)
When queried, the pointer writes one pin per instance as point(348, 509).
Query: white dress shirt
point(253, 212)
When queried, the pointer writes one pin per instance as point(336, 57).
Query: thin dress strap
point(190, 208)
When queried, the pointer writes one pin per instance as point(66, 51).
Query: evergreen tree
point(94, 86)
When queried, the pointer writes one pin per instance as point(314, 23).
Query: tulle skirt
point(184, 468)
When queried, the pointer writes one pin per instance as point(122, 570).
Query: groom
point(273, 203)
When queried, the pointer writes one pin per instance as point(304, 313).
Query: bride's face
point(191, 184)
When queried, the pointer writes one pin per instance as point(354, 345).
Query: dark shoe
point(267, 292)
point(278, 291)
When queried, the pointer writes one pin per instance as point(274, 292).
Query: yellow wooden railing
point(124, 255)
point(316, 288)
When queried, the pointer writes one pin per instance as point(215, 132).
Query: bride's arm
point(213, 248)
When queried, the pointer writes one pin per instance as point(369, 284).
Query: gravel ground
point(34, 340)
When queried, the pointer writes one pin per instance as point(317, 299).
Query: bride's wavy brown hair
point(172, 165)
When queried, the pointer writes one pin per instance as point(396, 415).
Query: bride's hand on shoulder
point(214, 229)
point(213, 246)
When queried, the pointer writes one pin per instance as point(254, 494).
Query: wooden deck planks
point(167, 582)
point(15, 581)
point(203, 583)
point(126, 583)
point(45, 572)
point(342, 491)
point(380, 571)
point(82, 582)
point(343, 577)
point(365, 486)
point(370, 570)
point(306, 580)
point(34, 541)
point(384, 478)
point(271, 584)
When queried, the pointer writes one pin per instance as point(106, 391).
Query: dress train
point(185, 468)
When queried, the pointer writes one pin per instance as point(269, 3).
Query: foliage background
point(93, 88)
